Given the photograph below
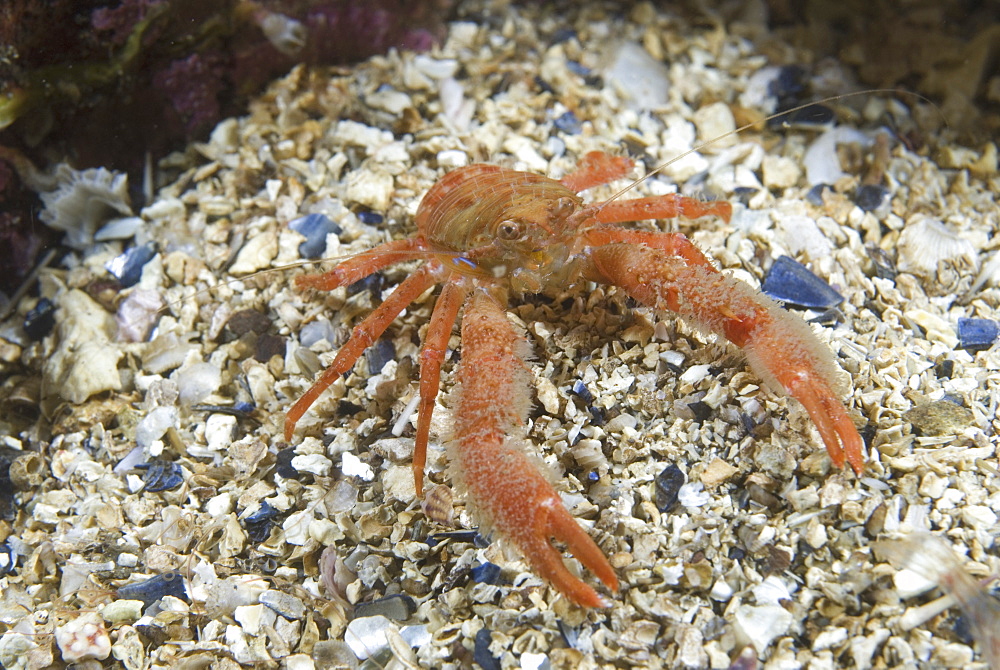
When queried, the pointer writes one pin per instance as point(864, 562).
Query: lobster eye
point(509, 230)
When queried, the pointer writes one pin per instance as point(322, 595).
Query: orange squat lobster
point(486, 232)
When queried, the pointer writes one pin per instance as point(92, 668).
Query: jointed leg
point(510, 493)
point(360, 266)
point(363, 336)
point(594, 169)
point(431, 356)
point(675, 244)
point(780, 347)
point(661, 207)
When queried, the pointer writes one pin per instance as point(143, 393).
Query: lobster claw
point(505, 485)
point(553, 520)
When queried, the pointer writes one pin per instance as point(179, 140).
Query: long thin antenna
point(714, 140)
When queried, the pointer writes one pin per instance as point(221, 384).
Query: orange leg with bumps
point(667, 206)
point(780, 347)
point(510, 493)
point(675, 244)
point(357, 268)
point(431, 357)
point(363, 336)
point(594, 169)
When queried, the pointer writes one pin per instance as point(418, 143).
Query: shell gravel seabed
point(318, 555)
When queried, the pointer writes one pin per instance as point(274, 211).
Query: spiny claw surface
point(504, 484)
point(556, 522)
point(835, 426)
point(780, 347)
point(518, 502)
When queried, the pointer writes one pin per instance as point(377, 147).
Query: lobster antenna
point(708, 143)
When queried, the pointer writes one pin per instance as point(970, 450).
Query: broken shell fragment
point(28, 471)
point(668, 487)
point(152, 589)
point(40, 319)
point(791, 282)
point(871, 197)
point(927, 242)
point(85, 361)
point(127, 268)
point(977, 334)
point(84, 638)
point(315, 228)
point(398, 607)
point(82, 201)
point(161, 476)
point(23, 400)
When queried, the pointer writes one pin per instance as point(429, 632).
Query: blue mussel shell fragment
point(258, 524)
point(568, 123)
point(127, 268)
point(790, 282)
point(481, 653)
point(40, 321)
point(161, 476)
point(870, 197)
point(369, 218)
point(487, 573)
point(154, 588)
point(977, 334)
point(315, 228)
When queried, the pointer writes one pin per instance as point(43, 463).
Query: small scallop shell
point(925, 242)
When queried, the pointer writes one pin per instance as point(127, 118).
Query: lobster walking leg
point(431, 357)
point(667, 206)
point(363, 336)
point(362, 265)
point(596, 168)
point(780, 347)
point(506, 487)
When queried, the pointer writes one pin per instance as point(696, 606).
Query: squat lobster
point(485, 232)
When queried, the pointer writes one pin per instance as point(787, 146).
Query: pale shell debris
point(83, 638)
point(83, 201)
point(483, 96)
point(926, 242)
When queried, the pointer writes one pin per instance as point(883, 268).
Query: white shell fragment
point(256, 254)
point(370, 189)
point(693, 494)
point(368, 636)
point(316, 464)
point(138, 314)
point(85, 361)
point(352, 466)
point(714, 121)
point(821, 161)
point(83, 201)
point(121, 228)
point(286, 605)
point(220, 429)
point(122, 610)
point(640, 79)
point(155, 424)
point(83, 638)
point(196, 382)
point(761, 625)
point(926, 242)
